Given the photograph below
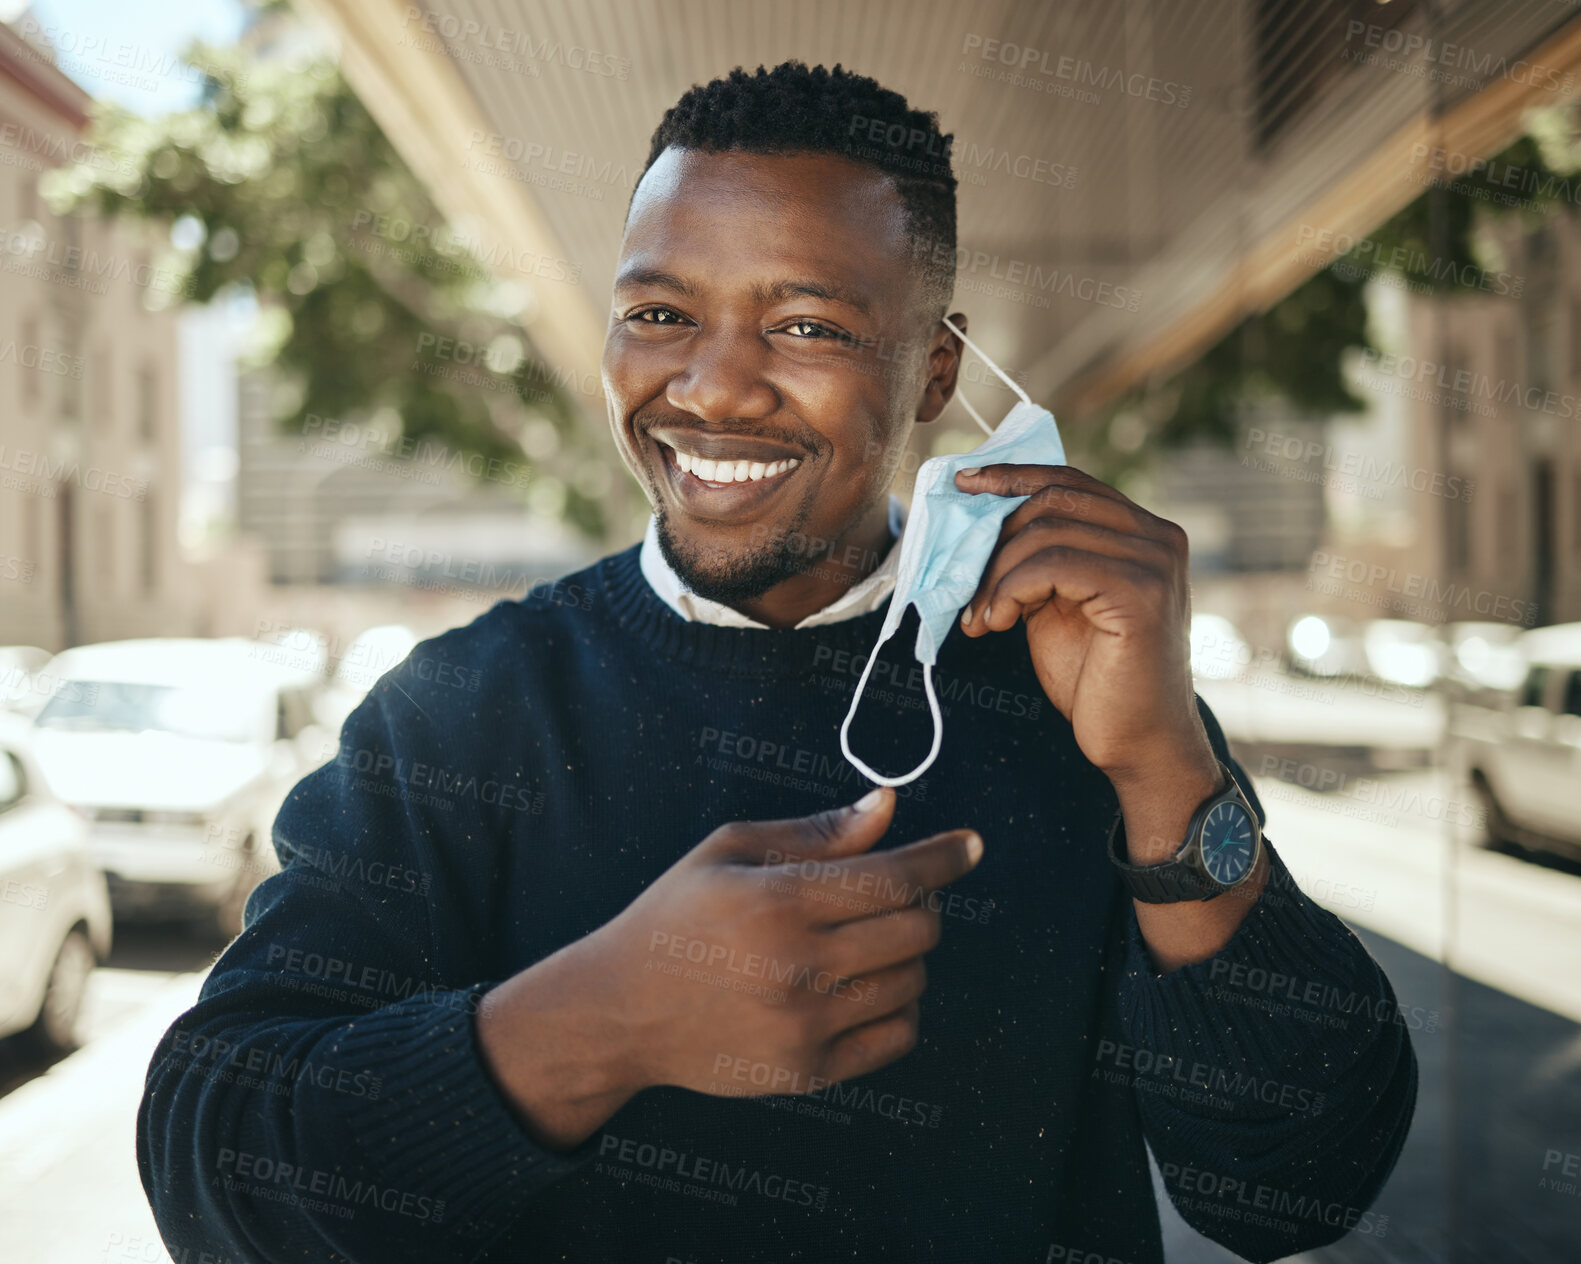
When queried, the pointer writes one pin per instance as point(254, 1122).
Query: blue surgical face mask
point(948, 540)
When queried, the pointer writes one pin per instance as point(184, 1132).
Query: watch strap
point(1175, 880)
point(1170, 882)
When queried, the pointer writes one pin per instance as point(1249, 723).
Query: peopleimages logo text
point(1028, 61)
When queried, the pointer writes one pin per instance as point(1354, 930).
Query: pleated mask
point(949, 537)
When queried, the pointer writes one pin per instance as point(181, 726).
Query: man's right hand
point(782, 945)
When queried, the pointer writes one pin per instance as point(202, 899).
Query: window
point(210, 713)
point(1575, 339)
point(1539, 312)
point(1575, 511)
point(29, 380)
point(147, 402)
point(1507, 559)
point(1505, 355)
point(1459, 538)
point(29, 526)
point(1572, 699)
point(70, 403)
point(106, 526)
point(1535, 686)
point(72, 255)
point(150, 544)
point(103, 404)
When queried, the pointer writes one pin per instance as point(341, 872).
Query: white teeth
point(732, 471)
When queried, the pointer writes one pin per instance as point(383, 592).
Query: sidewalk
point(69, 1190)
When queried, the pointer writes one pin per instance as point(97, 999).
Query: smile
point(724, 478)
point(721, 471)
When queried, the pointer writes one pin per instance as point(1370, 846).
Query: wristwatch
point(1221, 848)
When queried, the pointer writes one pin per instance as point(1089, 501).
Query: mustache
point(646, 421)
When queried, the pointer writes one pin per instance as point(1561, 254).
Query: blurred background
point(301, 310)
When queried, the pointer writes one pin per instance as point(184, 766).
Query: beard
point(746, 577)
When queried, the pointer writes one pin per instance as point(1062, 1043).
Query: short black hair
point(799, 109)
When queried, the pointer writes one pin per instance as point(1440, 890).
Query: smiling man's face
point(769, 348)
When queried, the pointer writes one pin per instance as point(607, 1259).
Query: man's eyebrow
point(782, 290)
point(778, 292)
point(655, 277)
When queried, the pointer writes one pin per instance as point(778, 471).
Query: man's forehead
point(826, 188)
point(812, 208)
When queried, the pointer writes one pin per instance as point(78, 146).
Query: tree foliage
point(280, 181)
point(1295, 351)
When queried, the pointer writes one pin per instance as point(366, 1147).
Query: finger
point(1007, 479)
point(827, 835)
point(1091, 501)
point(1075, 576)
point(881, 994)
point(894, 878)
point(1051, 532)
point(869, 944)
point(872, 1045)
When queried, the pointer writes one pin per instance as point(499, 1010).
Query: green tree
point(280, 181)
point(1295, 351)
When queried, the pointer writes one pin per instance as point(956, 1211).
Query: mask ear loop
point(933, 707)
point(1005, 377)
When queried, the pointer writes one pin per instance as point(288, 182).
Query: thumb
point(827, 835)
point(843, 831)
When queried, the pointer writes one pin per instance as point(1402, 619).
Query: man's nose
point(723, 378)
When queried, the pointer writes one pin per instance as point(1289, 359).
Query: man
point(563, 969)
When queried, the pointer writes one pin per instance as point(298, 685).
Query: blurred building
point(328, 502)
point(1457, 498)
point(89, 435)
point(1504, 412)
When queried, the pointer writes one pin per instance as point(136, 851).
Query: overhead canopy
point(1136, 175)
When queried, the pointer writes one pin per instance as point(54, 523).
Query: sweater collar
point(730, 651)
point(862, 598)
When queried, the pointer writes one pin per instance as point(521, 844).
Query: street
point(1501, 1065)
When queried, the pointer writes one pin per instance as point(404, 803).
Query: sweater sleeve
point(325, 1099)
point(1276, 1080)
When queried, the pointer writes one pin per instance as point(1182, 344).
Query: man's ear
point(943, 364)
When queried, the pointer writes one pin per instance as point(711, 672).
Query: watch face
point(1227, 844)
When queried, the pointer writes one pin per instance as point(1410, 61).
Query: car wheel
point(55, 1032)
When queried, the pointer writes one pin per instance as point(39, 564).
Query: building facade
point(89, 429)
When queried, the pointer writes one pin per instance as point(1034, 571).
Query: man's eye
point(815, 330)
point(657, 316)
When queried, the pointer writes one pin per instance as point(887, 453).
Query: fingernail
point(974, 847)
point(976, 469)
point(868, 801)
point(988, 612)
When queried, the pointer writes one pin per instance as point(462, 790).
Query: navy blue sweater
point(515, 784)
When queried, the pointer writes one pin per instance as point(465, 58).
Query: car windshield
point(97, 706)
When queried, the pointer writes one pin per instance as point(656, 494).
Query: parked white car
point(19, 677)
point(54, 906)
point(181, 752)
point(1522, 754)
point(373, 653)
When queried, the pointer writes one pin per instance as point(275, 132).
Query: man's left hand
point(1101, 585)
